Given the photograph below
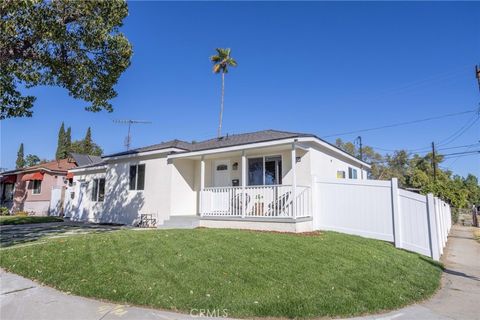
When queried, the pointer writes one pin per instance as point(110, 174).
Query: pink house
point(30, 189)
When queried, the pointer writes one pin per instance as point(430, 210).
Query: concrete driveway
point(31, 233)
point(458, 298)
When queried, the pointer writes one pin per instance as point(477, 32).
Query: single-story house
point(258, 180)
point(30, 189)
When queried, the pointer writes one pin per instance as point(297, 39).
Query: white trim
point(144, 153)
point(97, 168)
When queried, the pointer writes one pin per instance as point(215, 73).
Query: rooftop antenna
point(128, 139)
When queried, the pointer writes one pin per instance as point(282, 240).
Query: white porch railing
point(273, 201)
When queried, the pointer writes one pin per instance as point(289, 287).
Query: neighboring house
point(32, 189)
point(259, 180)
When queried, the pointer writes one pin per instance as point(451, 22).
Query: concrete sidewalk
point(459, 297)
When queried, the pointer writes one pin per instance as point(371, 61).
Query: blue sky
point(321, 68)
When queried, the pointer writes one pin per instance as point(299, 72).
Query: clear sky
point(321, 68)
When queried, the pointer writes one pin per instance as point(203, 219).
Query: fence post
point(397, 228)
point(432, 228)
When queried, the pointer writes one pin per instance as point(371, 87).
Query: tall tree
point(71, 44)
point(221, 61)
point(60, 154)
point(68, 142)
point(87, 142)
point(32, 160)
point(20, 163)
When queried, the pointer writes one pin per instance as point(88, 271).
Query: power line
point(457, 134)
point(460, 132)
point(460, 153)
point(399, 124)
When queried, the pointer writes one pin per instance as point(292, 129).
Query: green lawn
point(248, 273)
point(27, 219)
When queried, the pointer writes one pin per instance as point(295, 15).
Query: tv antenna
point(128, 139)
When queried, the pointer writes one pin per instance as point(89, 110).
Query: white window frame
point(263, 171)
point(97, 196)
point(34, 190)
point(136, 177)
point(352, 176)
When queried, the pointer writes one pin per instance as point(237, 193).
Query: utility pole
point(477, 75)
point(360, 148)
point(434, 165)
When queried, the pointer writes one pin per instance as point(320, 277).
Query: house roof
point(225, 141)
point(85, 159)
point(216, 143)
point(62, 165)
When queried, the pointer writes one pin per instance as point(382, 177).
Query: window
point(36, 186)
point(222, 167)
point(98, 190)
point(265, 171)
point(352, 173)
point(8, 190)
point(340, 174)
point(137, 177)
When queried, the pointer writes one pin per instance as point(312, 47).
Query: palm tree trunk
point(221, 106)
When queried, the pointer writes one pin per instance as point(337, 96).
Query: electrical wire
point(399, 124)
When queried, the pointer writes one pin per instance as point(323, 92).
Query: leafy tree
point(71, 44)
point(20, 163)
point(62, 152)
point(32, 160)
point(221, 61)
point(79, 147)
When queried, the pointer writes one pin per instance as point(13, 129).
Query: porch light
point(235, 166)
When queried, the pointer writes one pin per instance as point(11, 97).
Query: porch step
point(180, 222)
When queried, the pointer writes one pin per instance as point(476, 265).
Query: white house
point(259, 180)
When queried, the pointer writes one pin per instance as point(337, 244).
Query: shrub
point(4, 211)
point(455, 214)
point(21, 213)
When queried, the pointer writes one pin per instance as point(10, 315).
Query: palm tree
point(221, 61)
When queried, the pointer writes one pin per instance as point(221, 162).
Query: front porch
point(255, 186)
point(265, 201)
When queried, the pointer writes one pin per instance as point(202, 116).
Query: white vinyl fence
point(56, 201)
point(380, 210)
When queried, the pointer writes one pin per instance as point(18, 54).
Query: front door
point(221, 173)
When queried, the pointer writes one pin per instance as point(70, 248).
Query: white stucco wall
point(122, 205)
point(183, 195)
point(325, 164)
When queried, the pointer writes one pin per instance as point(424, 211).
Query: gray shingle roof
point(225, 141)
point(85, 159)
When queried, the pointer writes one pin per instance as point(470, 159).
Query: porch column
point(244, 182)
point(294, 181)
point(202, 183)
